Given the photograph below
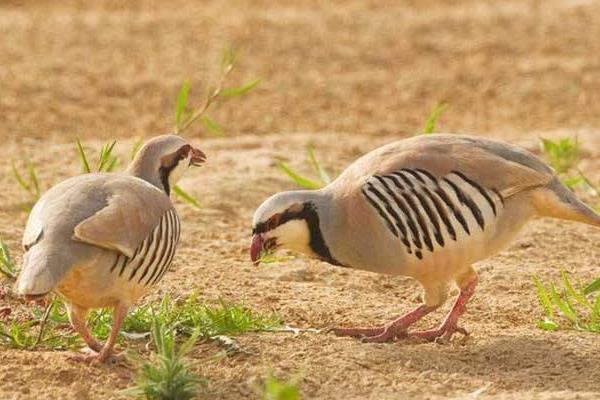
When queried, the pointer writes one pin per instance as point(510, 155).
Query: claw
point(358, 332)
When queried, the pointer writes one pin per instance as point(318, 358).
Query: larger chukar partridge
point(103, 240)
point(427, 207)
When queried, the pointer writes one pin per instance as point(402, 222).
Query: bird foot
point(92, 357)
point(358, 332)
point(442, 334)
point(382, 334)
point(389, 331)
point(388, 334)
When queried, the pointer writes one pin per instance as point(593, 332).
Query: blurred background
point(112, 69)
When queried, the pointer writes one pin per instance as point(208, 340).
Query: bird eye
point(273, 222)
point(184, 151)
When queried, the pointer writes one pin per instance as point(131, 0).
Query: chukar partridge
point(103, 240)
point(427, 207)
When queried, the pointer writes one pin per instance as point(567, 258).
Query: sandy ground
point(359, 74)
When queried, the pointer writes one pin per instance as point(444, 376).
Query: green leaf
point(35, 184)
point(579, 297)
point(19, 178)
point(564, 307)
point(107, 160)
point(543, 297)
point(83, 158)
point(239, 91)
point(182, 102)
point(433, 117)
point(592, 287)
point(562, 155)
point(276, 390)
point(227, 59)
point(299, 180)
point(547, 325)
point(183, 195)
point(211, 126)
point(136, 147)
point(110, 167)
point(573, 182)
point(7, 264)
point(312, 159)
point(268, 257)
point(595, 312)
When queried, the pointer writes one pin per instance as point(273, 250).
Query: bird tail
point(557, 201)
point(38, 274)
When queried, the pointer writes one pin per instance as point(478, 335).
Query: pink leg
point(101, 353)
point(389, 331)
point(450, 324)
point(77, 317)
point(119, 315)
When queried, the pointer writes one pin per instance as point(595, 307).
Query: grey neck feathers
point(146, 166)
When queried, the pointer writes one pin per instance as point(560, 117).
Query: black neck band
point(164, 173)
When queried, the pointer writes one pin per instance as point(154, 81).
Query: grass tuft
point(106, 160)
point(54, 334)
point(187, 317)
point(7, 263)
point(29, 185)
point(274, 389)
point(166, 376)
point(323, 177)
point(563, 156)
point(209, 320)
point(433, 117)
point(578, 310)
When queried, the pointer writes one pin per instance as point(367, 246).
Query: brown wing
point(499, 166)
point(134, 209)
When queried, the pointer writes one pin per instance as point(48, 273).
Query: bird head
point(288, 220)
point(164, 159)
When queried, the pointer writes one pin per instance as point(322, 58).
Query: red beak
point(256, 248)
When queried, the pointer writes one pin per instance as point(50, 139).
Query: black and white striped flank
point(154, 255)
point(426, 212)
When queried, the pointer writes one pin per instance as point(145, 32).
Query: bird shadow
point(511, 362)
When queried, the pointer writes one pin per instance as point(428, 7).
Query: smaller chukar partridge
point(427, 207)
point(104, 239)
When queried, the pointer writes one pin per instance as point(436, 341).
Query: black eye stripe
point(284, 217)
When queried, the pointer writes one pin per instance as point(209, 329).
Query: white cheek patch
point(293, 235)
point(179, 170)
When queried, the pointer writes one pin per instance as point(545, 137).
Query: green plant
point(49, 330)
point(267, 257)
point(167, 377)
point(186, 197)
point(187, 316)
point(185, 116)
point(7, 264)
point(562, 154)
point(307, 183)
point(210, 320)
point(29, 185)
point(106, 160)
point(274, 389)
point(432, 118)
point(572, 302)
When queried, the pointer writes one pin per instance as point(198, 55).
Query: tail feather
point(39, 274)
point(557, 201)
